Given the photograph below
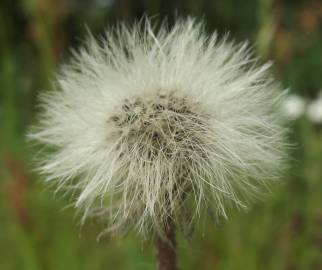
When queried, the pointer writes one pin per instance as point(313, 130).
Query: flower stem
point(166, 248)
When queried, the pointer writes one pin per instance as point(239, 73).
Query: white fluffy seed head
point(314, 110)
point(147, 127)
point(293, 106)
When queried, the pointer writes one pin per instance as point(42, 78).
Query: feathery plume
point(149, 127)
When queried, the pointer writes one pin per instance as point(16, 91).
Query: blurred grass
point(284, 231)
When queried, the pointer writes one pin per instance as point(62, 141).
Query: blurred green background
point(38, 231)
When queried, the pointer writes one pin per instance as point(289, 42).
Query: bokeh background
point(38, 231)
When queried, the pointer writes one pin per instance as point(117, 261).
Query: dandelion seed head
point(294, 107)
point(146, 126)
point(314, 111)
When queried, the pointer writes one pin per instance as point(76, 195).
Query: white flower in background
point(293, 106)
point(149, 126)
point(314, 111)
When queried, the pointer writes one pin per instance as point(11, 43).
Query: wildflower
point(149, 127)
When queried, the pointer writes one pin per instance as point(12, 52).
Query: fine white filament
point(149, 124)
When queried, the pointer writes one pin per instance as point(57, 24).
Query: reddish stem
point(166, 248)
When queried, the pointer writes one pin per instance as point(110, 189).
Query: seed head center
point(164, 123)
